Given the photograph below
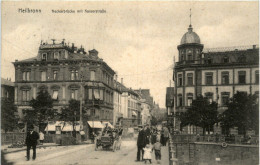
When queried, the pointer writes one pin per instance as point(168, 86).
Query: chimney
point(254, 46)
point(116, 77)
point(122, 81)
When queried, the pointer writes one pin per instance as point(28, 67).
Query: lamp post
point(81, 96)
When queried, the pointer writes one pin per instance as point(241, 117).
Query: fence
point(237, 139)
point(11, 138)
point(213, 149)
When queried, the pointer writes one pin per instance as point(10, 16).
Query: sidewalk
point(5, 149)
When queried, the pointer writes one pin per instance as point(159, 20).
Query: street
point(83, 154)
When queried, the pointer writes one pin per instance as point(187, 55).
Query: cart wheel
point(114, 146)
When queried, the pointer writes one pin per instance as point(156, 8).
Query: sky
point(138, 40)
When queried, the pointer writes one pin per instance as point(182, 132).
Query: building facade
point(117, 113)
point(66, 72)
point(214, 73)
point(7, 89)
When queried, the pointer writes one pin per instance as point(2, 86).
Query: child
point(148, 153)
point(157, 150)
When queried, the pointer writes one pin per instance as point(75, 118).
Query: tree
point(71, 114)
point(42, 109)
point(242, 112)
point(9, 120)
point(202, 113)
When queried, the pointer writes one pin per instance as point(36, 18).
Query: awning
point(133, 113)
point(108, 124)
point(95, 124)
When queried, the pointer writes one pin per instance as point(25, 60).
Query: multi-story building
point(131, 108)
point(214, 73)
point(66, 72)
point(117, 113)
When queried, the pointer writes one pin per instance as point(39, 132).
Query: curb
point(5, 151)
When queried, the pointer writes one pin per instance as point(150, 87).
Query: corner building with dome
point(216, 73)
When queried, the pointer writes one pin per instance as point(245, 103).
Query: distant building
point(214, 73)
point(7, 89)
point(146, 105)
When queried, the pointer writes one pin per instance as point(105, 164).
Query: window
point(101, 94)
point(25, 95)
point(189, 99)
point(242, 58)
point(43, 76)
point(180, 100)
point(225, 98)
point(55, 94)
point(225, 59)
point(180, 79)
point(90, 94)
point(44, 56)
point(189, 57)
point(26, 76)
point(74, 74)
point(55, 75)
point(92, 75)
point(209, 60)
point(190, 78)
point(96, 94)
point(209, 97)
point(225, 77)
point(257, 77)
point(56, 55)
point(209, 78)
point(242, 77)
point(74, 94)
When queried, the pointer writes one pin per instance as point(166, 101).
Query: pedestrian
point(31, 142)
point(41, 137)
point(141, 142)
point(148, 134)
point(166, 135)
point(148, 153)
point(162, 137)
point(157, 151)
point(153, 136)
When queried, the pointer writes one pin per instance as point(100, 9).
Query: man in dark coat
point(141, 142)
point(31, 142)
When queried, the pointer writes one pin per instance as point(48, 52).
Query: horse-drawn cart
point(108, 141)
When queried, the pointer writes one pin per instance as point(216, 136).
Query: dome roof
point(190, 37)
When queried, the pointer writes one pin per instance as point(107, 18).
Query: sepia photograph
point(129, 82)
